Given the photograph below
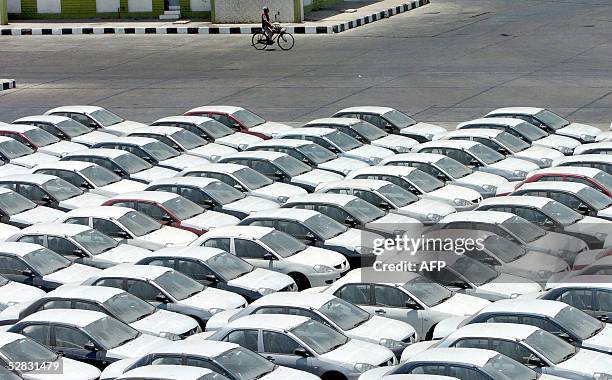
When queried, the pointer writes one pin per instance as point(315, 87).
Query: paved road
point(447, 62)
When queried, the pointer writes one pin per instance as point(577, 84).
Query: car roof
point(357, 275)
point(368, 109)
point(310, 131)
point(166, 372)
point(192, 252)
point(114, 212)
point(606, 158)
point(18, 248)
point(37, 179)
point(529, 306)
point(284, 213)
point(19, 128)
point(66, 165)
point(94, 293)
point(55, 229)
point(516, 110)
point(390, 170)
point(314, 300)
point(187, 181)
point(150, 272)
point(474, 356)
point(290, 143)
point(54, 119)
point(100, 152)
point(337, 199)
point(261, 154)
point(524, 200)
point(587, 281)
point(8, 337)
point(268, 321)
point(576, 170)
point(458, 144)
point(163, 130)
point(216, 167)
point(572, 187)
point(477, 132)
point(255, 232)
point(198, 347)
point(371, 184)
point(222, 109)
point(346, 121)
point(74, 317)
point(4, 190)
point(184, 119)
point(600, 144)
point(140, 141)
point(417, 157)
point(493, 330)
point(505, 121)
point(76, 108)
point(478, 216)
point(155, 196)
point(6, 138)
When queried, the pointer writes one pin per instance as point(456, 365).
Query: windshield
point(139, 224)
point(561, 213)
point(501, 367)
point(424, 181)
point(188, 140)
point(106, 118)
point(343, 141)
point(60, 189)
point(369, 131)
point(551, 119)
point(578, 322)
point(12, 203)
point(215, 129)
point(453, 168)
point(316, 153)
point(596, 199)
point(41, 137)
point(504, 249)
point(27, 351)
point(100, 176)
point(12, 149)
point(523, 229)
point(291, 166)
point(399, 119)
point(248, 118)
point(344, 314)
point(183, 208)
point(398, 195)
point(45, 261)
point(550, 346)
point(72, 128)
point(282, 244)
point(128, 307)
point(95, 242)
point(319, 337)
point(474, 271)
point(111, 333)
point(223, 193)
point(229, 266)
point(604, 179)
point(160, 151)
point(252, 179)
point(132, 163)
point(364, 211)
point(244, 364)
point(324, 226)
point(486, 154)
point(513, 143)
point(530, 131)
point(178, 285)
point(429, 292)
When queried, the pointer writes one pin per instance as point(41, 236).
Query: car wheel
point(333, 376)
point(300, 280)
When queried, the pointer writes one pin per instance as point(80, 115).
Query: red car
point(240, 119)
point(39, 139)
point(173, 210)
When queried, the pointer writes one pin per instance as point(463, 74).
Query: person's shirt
point(265, 17)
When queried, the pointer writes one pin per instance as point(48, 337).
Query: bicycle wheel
point(285, 41)
point(259, 41)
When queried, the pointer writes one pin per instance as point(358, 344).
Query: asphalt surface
point(447, 62)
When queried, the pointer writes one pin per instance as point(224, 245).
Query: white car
point(449, 171)
point(507, 144)
point(129, 226)
point(340, 143)
point(89, 177)
point(15, 348)
point(422, 184)
point(366, 133)
point(281, 167)
point(418, 301)
point(6, 231)
point(97, 118)
point(592, 160)
point(80, 244)
point(14, 293)
point(525, 131)
point(168, 290)
point(267, 248)
point(247, 180)
point(220, 269)
point(39, 139)
point(343, 316)
point(550, 122)
point(17, 210)
point(211, 130)
point(17, 154)
point(171, 372)
point(604, 147)
point(479, 157)
point(65, 128)
point(302, 343)
point(184, 141)
point(228, 359)
point(393, 121)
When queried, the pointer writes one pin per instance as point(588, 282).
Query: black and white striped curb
point(326, 29)
point(7, 84)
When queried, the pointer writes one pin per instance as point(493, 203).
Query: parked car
point(14, 293)
point(123, 163)
point(601, 266)
point(240, 119)
point(220, 269)
point(80, 244)
point(168, 289)
point(311, 154)
point(129, 226)
point(211, 130)
point(247, 180)
point(39, 140)
point(593, 160)
point(595, 178)
point(19, 211)
point(65, 128)
point(212, 194)
point(450, 171)
point(9, 169)
point(604, 147)
point(588, 257)
point(50, 191)
point(302, 343)
point(393, 121)
point(14, 153)
point(549, 121)
point(97, 118)
point(171, 372)
point(268, 248)
point(366, 133)
point(89, 177)
point(6, 231)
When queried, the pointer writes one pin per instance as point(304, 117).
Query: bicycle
point(284, 40)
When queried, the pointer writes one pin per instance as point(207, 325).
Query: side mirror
point(147, 158)
point(211, 278)
point(278, 175)
point(86, 185)
point(566, 337)
point(350, 221)
point(301, 352)
point(411, 304)
point(442, 177)
point(119, 172)
point(161, 298)
point(79, 252)
point(333, 149)
point(208, 203)
point(310, 237)
point(166, 218)
point(583, 208)
point(534, 361)
point(548, 223)
point(503, 151)
point(474, 162)
point(89, 346)
point(268, 256)
point(384, 206)
point(603, 318)
point(413, 189)
point(123, 235)
point(458, 284)
point(93, 125)
point(238, 187)
point(46, 199)
point(27, 273)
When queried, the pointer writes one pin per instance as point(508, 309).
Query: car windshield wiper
point(361, 322)
point(264, 373)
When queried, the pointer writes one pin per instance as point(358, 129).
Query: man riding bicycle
point(266, 25)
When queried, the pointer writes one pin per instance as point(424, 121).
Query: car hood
point(356, 351)
point(313, 255)
point(370, 151)
point(512, 164)
point(61, 148)
point(92, 138)
point(151, 174)
point(398, 143)
point(10, 169)
point(15, 292)
point(137, 347)
point(602, 341)
point(343, 164)
point(461, 304)
point(6, 231)
point(184, 161)
point(123, 186)
point(212, 151)
point(72, 274)
point(211, 298)
point(170, 236)
point(589, 362)
point(590, 225)
point(285, 373)
point(125, 127)
point(40, 214)
point(377, 373)
point(429, 131)
point(116, 369)
point(278, 189)
point(393, 222)
point(604, 136)
point(429, 206)
point(36, 158)
point(262, 278)
point(507, 285)
point(239, 140)
point(377, 328)
point(416, 348)
point(209, 220)
point(555, 141)
point(165, 321)
point(353, 238)
point(537, 152)
point(250, 204)
point(578, 129)
point(483, 178)
point(315, 177)
point(71, 370)
point(452, 192)
point(553, 241)
point(605, 213)
point(83, 200)
point(270, 128)
point(540, 262)
point(123, 253)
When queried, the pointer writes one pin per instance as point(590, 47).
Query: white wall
point(107, 6)
point(49, 6)
point(307, 2)
point(14, 6)
point(140, 6)
point(200, 5)
point(249, 11)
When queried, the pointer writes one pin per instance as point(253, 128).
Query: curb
point(324, 29)
point(7, 84)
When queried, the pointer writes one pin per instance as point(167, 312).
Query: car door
point(156, 212)
point(111, 229)
point(39, 332)
point(247, 338)
point(36, 194)
point(197, 271)
point(73, 343)
point(143, 290)
point(280, 349)
point(253, 253)
point(581, 299)
point(603, 305)
point(464, 372)
point(518, 352)
point(17, 270)
point(536, 217)
point(391, 302)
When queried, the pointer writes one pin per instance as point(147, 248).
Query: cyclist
point(266, 25)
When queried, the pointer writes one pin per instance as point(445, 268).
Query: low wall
point(249, 11)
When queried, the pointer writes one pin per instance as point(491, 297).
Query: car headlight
point(391, 343)
point(514, 295)
point(264, 291)
point(461, 202)
point(564, 149)
point(602, 376)
point(243, 146)
point(169, 335)
point(364, 250)
point(322, 268)
point(374, 160)
point(362, 367)
point(428, 136)
point(587, 138)
point(489, 188)
point(215, 310)
point(520, 173)
point(346, 171)
point(545, 161)
point(434, 217)
point(282, 199)
point(601, 236)
point(545, 274)
point(402, 149)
